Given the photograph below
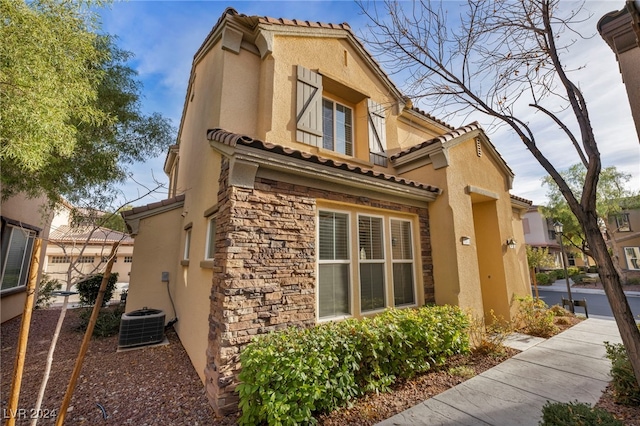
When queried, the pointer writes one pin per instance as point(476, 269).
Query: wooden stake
point(87, 338)
point(23, 337)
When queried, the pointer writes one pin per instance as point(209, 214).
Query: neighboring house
point(621, 30)
point(305, 188)
point(23, 220)
point(625, 231)
point(85, 244)
point(539, 233)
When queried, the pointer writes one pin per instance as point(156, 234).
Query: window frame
point(210, 243)
point(25, 263)
point(411, 261)
point(349, 145)
point(629, 259)
point(379, 261)
point(348, 262)
point(187, 244)
point(622, 222)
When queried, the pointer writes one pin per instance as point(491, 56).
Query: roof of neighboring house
point(92, 234)
point(232, 139)
point(521, 200)
point(162, 203)
point(440, 139)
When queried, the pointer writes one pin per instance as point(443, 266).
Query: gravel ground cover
point(159, 386)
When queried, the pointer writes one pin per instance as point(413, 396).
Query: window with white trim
point(337, 127)
point(187, 244)
point(17, 249)
point(128, 259)
point(403, 264)
point(210, 249)
point(372, 263)
point(622, 222)
point(334, 265)
point(60, 259)
point(85, 259)
point(632, 254)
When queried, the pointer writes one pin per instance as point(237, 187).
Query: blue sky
point(164, 35)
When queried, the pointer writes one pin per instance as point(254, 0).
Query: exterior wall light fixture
point(511, 243)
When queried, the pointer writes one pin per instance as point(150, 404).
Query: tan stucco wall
point(159, 244)
point(28, 211)
point(461, 273)
point(629, 66)
point(59, 270)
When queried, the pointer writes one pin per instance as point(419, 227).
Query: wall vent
point(142, 327)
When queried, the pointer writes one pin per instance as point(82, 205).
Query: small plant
point(543, 279)
point(488, 339)
point(572, 270)
point(633, 281)
point(107, 323)
point(46, 286)
point(463, 371)
point(88, 289)
point(535, 318)
point(625, 386)
point(576, 414)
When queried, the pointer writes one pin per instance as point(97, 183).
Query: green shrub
point(558, 274)
point(290, 375)
point(633, 281)
point(572, 270)
point(535, 318)
point(579, 279)
point(625, 386)
point(107, 323)
point(592, 270)
point(576, 414)
point(46, 286)
point(543, 278)
point(88, 289)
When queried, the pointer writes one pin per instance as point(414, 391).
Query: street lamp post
point(558, 228)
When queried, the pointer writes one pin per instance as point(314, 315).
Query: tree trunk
point(613, 289)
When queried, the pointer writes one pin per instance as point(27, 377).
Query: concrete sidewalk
point(567, 367)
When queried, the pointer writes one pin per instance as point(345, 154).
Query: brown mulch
point(159, 386)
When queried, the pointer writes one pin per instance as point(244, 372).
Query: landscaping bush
point(558, 274)
point(576, 414)
point(633, 281)
point(579, 279)
point(535, 318)
point(625, 386)
point(488, 338)
point(290, 375)
point(572, 270)
point(88, 289)
point(592, 270)
point(543, 278)
point(107, 323)
point(46, 286)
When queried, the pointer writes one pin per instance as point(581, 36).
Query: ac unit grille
point(141, 327)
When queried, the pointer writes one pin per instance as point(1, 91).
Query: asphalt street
point(597, 304)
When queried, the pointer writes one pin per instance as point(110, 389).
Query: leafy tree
point(505, 59)
point(82, 153)
point(611, 198)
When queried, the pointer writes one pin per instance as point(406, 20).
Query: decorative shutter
point(309, 107)
point(377, 128)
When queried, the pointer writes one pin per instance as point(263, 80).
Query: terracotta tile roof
point(99, 235)
point(299, 23)
point(431, 117)
point(162, 203)
point(522, 200)
point(233, 139)
point(440, 139)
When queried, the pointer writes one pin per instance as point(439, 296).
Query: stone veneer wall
point(264, 273)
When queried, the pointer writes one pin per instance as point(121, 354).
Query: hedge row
point(289, 376)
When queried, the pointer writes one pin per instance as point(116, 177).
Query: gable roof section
point(132, 217)
point(437, 148)
point(233, 140)
point(97, 235)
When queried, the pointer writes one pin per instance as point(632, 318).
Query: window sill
point(13, 290)
point(184, 262)
point(206, 264)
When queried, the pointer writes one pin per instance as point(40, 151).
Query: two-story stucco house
point(304, 188)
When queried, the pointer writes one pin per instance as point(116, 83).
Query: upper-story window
point(342, 121)
point(337, 127)
point(622, 222)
